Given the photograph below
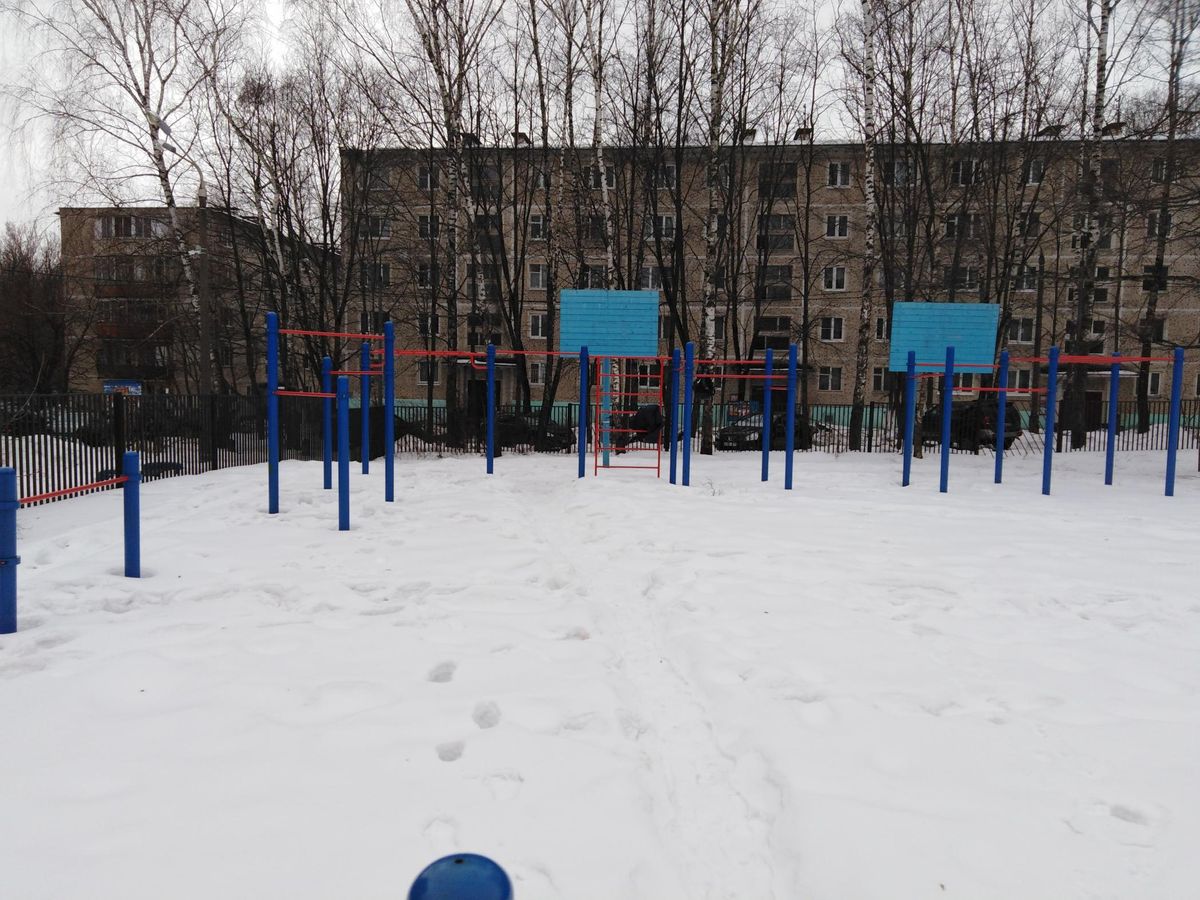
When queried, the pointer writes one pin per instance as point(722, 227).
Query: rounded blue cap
point(463, 876)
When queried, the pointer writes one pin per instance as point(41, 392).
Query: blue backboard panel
point(609, 323)
point(929, 328)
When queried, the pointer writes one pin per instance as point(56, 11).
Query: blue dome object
point(463, 876)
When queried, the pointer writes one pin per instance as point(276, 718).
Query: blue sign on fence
point(929, 328)
point(118, 386)
point(609, 323)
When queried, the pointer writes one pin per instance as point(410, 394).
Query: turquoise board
point(929, 328)
point(609, 323)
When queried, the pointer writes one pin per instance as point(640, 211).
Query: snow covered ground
point(617, 688)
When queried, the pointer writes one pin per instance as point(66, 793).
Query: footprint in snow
point(486, 714)
point(442, 672)
point(450, 750)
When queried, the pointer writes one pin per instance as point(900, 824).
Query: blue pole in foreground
point(947, 412)
point(491, 407)
point(133, 514)
point(389, 412)
point(463, 876)
point(910, 414)
point(689, 376)
point(673, 419)
point(1001, 412)
point(364, 402)
point(768, 371)
point(1173, 427)
point(1051, 411)
point(8, 550)
point(343, 415)
point(789, 438)
point(1110, 446)
point(584, 365)
point(272, 413)
point(327, 423)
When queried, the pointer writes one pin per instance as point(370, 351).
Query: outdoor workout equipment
point(464, 876)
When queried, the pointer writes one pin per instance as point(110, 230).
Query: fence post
point(389, 412)
point(1001, 412)
point(490, 433)
point(327, 422)
point(272, 413)
point(8, 550)
point(947, 412)
point(871, 427)
point(1173, 426)
point(120, 439)
point(1114, 374)
point(768, 371)
point(1050, 429)
point(689, 375)
point(133, 515)
point(789, 437)
point(343, 415)
point(364, 402)
point(910, 414)
point(676, 359)
point(583, 409)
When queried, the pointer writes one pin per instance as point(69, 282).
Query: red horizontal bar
point(731, 362)
point(464, 354)
point(622, 393)
point(615, 449)
point(66, 492)
point(334, 334)
point(602, 466)
point(321, 394)
point(1110, 360)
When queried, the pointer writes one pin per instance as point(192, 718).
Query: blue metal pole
point(343, 415)
point(673, 419)
point(606, 433)
point(389, 412)
point(947, 412)
point(768, 371)
point(272, 413)
point(327, 423)
point(789, 438)
point(1173, 427)
point(910, 414)
point(1001, 413)
point(9, 503)
point(584, 366)
point(689, 376)
point(1110, 446)
point(364, 403)
point(491, 407)
point(1051, 410)
point(133, 514)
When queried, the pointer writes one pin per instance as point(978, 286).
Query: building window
point(1198, 384)
point(426, 275)
point(1154, 277)
point(837, 226)
point(593, 177)
point(427, 324)
point(898, 171)
point(963, 225)
point(428, 372)
point(654, 278)
point(427, 226)
point(595, 229)
point(832, 328)
point(1158, 171)
point(776, 232)
point(1020, 331)
point(1156, 328)
point(881, 333)
point(776, 283)
point(129, 227)
point(1155, 384)
point(839, 174)
point(1026, 278)
point(719, 328)
point(964, 172)
point(537, 276)
point(1035, 171)
point(964, 278)
point(777, 179)
point(1019, 379)
point(834, 278)
point(539, 325)
point(660, 227)
point(538, 226)
point(664, 176)
point(379, 227)
point(964, 381)
point(593, 276)
point(771, 332)
point(427, 178)
point(879, 379)
point(829, 378)
point(1029, 225)
point(537, 373)
point(1152, 225)
point(541, 180)
point(647, 374)
point(375, 274)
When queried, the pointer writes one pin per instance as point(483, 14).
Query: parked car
point(746, 433)
point(523, 429)
point(972, 424)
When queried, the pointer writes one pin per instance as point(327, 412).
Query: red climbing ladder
point(621, 385)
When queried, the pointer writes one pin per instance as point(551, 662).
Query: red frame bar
point(66, 492)
point(321, 394)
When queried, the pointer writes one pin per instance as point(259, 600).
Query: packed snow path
point(617, 688)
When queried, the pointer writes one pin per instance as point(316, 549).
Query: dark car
point(972, 424)
point(746, 433)
point(524, 429)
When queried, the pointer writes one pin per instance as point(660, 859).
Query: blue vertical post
point(272, 413)
point(947, 412)
point(343, 417)
point(689, 376)
point(327, 423)
point(1001, 413)
point(584, 364)
point(389, 412)
point(364, 402)
point(9, 503)
point(910, 414)
point(768, 371)
point(1173, 426)
point(789, 438)
point(606, 392)
point(1051, 411)
point(491, 407)
point(673, 419)
point(1110, 445)
point(133, 514)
